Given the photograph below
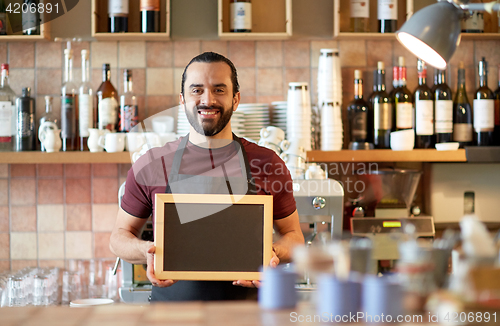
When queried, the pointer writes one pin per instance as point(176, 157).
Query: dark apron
point(197, 184)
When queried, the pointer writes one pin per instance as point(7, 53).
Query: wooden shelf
point(387, 155)
point(63, 157)
point(100, 23)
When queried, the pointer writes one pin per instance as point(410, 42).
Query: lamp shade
point(433, 33)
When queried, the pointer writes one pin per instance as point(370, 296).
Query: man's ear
point(181, 98)
point(236, 100)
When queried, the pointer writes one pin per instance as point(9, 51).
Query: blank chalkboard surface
point(212, 237)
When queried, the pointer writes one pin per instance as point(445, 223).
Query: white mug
point(152, 139)
point(134, 142)
point(112, 142)
point(163, 124)
point(272, 134)
point(94, 135)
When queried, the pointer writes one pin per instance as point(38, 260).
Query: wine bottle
point(403, 100)
point(118, 16)
point(462, 112)
point(436, 80)
point(8, 119)
point(26, 136)
point(484, 109)
point(240, 16)
point(444, 109)
point(30, 17)
point(395, 81)
point(128, 104)
point(69, 105)
point(387, 16)
point(357, 112)
point(360, 16)
point(150, 16)
point(382, 110)
point(424, 110)
point(496, 132)
point(107, 102)
point(85, 104)
point(49, 115)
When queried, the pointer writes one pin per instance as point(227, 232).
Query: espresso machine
point(383, 212)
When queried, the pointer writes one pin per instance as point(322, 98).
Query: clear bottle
point(107, 102)
point(444, 109)
point(424, 110)
point(26, 134)
point(85, 104)
point(118, 16)
point(69, 105)
point(357, 112)
point(403, 100)
point(462, 112)
point(31, 17)
point(150, 16)
point(49, 115)
point(387, 12)
point(382, 110)
point(484, 109)
point(240, 16)
point(8, 119)
point(128, 104)
point(360, 16)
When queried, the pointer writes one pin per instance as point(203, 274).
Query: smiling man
point(203, 162)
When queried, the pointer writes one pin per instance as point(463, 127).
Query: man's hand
point(255, 284)
point(151, 270)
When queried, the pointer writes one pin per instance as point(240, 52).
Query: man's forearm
point(128, 247)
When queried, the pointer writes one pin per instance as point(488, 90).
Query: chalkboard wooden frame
point(240, 202)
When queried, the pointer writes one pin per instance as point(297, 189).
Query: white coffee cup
point(272, 134)
point(94, 135)
point(163, 124)
point(152, 139)
point(135, 140)
point(112, 142)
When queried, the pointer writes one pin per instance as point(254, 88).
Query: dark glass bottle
point(462, 112)
point(382, 110)
point(403, 100)
point(31, 17)
point(357, 112)
point(26, 136)
point(107, 102)
point(118, 16)
point(484, 109)
point(395, 81)
point(424, 110)
point(443, 109)
point(150, 16)
point(69, 106)
point(496, 132)
point(387, 16)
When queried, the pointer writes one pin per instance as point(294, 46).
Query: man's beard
point(209, 129)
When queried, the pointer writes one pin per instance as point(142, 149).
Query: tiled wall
point(49, 213)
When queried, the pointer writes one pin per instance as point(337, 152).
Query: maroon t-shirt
point(149, 174)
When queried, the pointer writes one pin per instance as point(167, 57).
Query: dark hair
point(209, 57)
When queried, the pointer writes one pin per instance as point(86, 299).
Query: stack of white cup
point(298, 124)
point(332, 130)
point(294, 156)
point(271, 137)
point(329, 77)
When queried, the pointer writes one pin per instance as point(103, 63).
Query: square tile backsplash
point(50, 213)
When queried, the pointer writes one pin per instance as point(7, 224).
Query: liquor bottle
point(118, 16)
point(382, 110)
point(31, 17)
point(150, 16)
point(240, 16)
point(26, 135)
point(360, 16)
point(484, 109)
point(85, 104)
point(69, 105)
point(107, 103)
point(462, 112)
point(424, 110)
point(496, 133)
point(357, 112)
point(3, 18)
point(387, 16)
point(403, 100)
point(8, 119)
point(128, 104)
point(443, 109)
point(49, 115)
